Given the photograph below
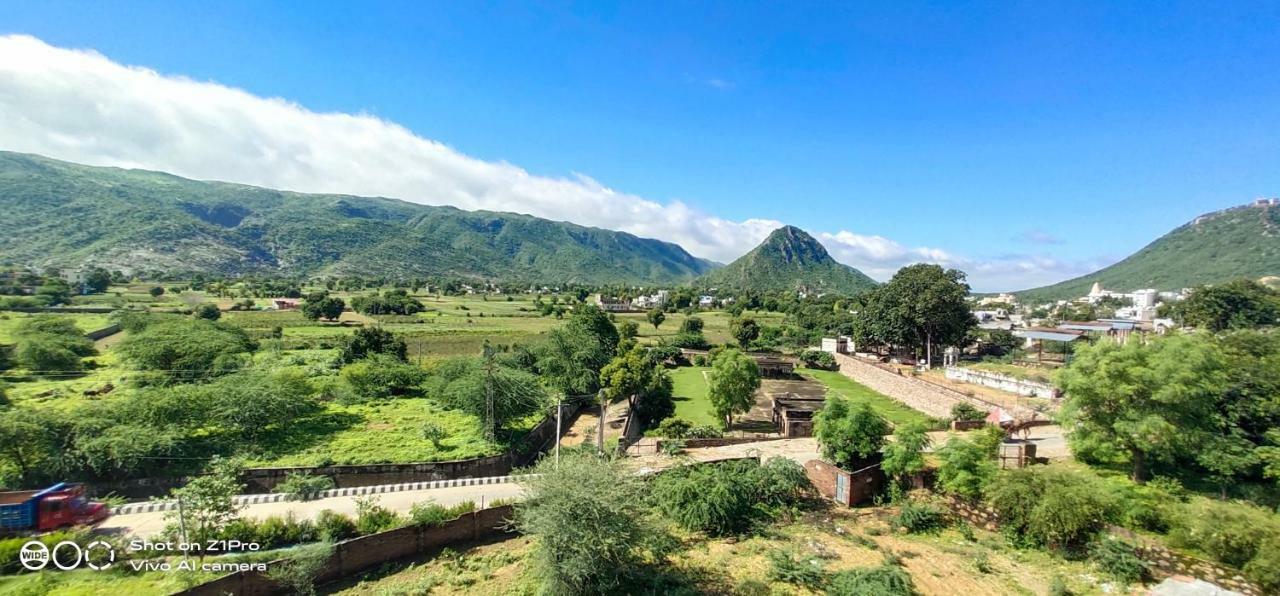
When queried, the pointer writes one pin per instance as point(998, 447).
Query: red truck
point(58, 506)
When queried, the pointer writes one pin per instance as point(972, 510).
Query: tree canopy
point(849, 433)
point(734, 378)
point(922, 306)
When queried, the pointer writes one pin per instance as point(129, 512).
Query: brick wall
point(1161, 562)
point(360, 554)
point(864, 484)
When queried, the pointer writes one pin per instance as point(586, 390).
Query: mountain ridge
point(1240, 241)
point(142, 220)
point(789, 259)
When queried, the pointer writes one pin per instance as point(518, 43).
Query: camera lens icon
point(34, 555)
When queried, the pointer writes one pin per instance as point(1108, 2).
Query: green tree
point(744, 330)
point(850, 433)
point(636, 373)
point(471, 384)
point(98, 280)
point(208, 311)
point(573, 557)
point(368, 341)
point(50, 344)
point(904, 456)
point(571, 356)
point(628, 330)
point(1238, 304)
point(322, 306)
point(1152, 401)
point(26, 446)
point(691, 325)
point(208, 501)
point(733, 381)
point(156, 291)
point(922, 306)
point(966, 468)
point(186, 349)
point(655, 316)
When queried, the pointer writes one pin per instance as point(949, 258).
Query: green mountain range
point(789, 259)
point(1216, 247)
point(69, 215)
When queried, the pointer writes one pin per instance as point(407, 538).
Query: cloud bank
point(80, 106)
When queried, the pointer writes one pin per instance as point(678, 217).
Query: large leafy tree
point(637, 373)
point(369, 341)
point(48, 344)
point(849, 433)
point(922, 306)
point(734, 379)
point(1151, 401)
point(1238, 304)
point(487, 389)
point(745, 330)
point(571, 356)
point(655, 316)
point(322, 306)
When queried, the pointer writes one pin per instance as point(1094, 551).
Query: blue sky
point(1027, 142)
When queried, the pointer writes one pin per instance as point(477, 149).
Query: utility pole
point(559, 411)
point(488, 392)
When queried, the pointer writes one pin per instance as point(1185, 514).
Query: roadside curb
point(169, 505)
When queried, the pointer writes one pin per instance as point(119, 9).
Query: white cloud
point(80, 106)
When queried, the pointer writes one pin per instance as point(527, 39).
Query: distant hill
point(1216, 247)
point(789, 259)
point(63, 214)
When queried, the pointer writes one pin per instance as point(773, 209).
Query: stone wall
point(1161, 562)
point(359, 554)
point(98, 334)
point(1001, 382)
point(926, 397)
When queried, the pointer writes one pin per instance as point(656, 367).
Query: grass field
point(388, 431)
point(838, 384)
point(692, 404)
point(9, 321)
point(690, 395)
point(835, 539)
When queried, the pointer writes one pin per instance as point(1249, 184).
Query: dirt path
point(583, 428)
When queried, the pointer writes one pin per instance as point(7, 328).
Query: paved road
point(144, 525)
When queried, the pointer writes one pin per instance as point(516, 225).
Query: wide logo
point(66, 555)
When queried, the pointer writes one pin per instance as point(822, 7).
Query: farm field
point(835, 538)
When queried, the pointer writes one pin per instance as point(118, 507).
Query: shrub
point(966, 412)
point(1052, 507)
point(1231, 533)
point(333, 526)
point(919, 518)
point(885, 580)
point(818, 359)
point(674, 428)
point(672, 447)
point(965, 469)
point(786, 567)
point(372, 518)
point(1118, 559)
point(383, 376)
point(850, 433)
point(299, 571)
point(704, 431)
point(433, 432)
point(303, 486)
point(729, 497)
point(435, 514)
point(1264, 567)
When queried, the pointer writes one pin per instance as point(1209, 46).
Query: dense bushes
point(965, 412)
point(885, 580)
point(1052, 507)
point(918, 517)
point(303, 486)
point(50, 345)
point(435, 514)
point(818, 359)
point(381, 376)
point(966, 468)
point(1233, 533)
point(186, 350)
point(731, 497)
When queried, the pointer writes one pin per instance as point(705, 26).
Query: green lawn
point(838, 384)
point(690, 394)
